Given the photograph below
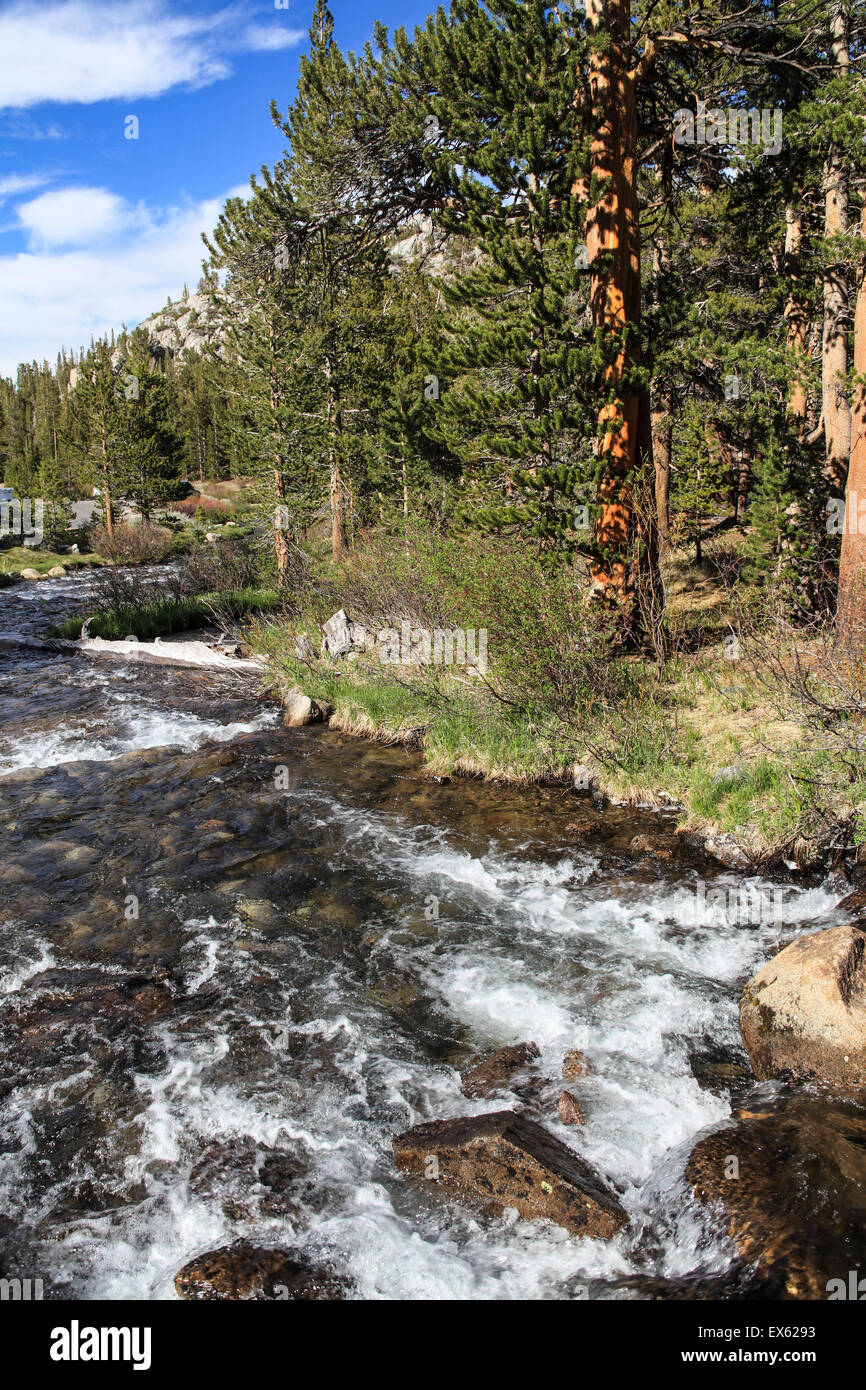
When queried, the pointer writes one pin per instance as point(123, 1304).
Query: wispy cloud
point(21, 183)
point(262, 38)
point(86, 51)
point(109, 263)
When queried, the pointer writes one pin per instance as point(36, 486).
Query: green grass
point(166, 616)
point(21, 557)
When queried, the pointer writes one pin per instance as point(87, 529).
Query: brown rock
point(574, 1064)
point(499, 1072)
point(245, 1272)
point(790, 1185)
point(507, 1161)
point(804, 1013)
point(569, 1111)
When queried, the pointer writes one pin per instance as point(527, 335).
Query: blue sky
point(97, 230)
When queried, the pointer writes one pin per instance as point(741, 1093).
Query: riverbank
point(728, 730)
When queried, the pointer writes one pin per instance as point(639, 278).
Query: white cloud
point(73, 217)
point(52, 297)
point(90, 50)
point(269, 38)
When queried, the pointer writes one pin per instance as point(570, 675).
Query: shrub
point(142, 543)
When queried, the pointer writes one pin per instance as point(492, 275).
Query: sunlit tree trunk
point(851, 605)
point(796, 315)
point(834, 358)
point(613, 245)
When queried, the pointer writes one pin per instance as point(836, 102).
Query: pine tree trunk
point(612, 239)
point(661, 430)
point(851, 603)
point(796, 316)
point(338, 509)
point(106, 489)
point(281, 540)
point(834, 361)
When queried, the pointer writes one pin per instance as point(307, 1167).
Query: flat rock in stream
point(508, 1161)
point(246, 1272)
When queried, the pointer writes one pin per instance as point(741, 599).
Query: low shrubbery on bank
point(714, 726)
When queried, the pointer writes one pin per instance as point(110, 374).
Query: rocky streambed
point(241, 964)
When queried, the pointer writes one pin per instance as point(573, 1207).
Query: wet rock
point(804, 1013)
point(790, 1186)
point(240, 1176)
point(505, 1160)
point(569, 1111)
point(574, 1064)
point(57, 572)
point(300, 709)
point(243, 1271)
point(854, 904)
point(30, 574)
point(580, 830)
point(499, 1072)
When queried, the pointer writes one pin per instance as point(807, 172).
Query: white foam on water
point(139, 727)
point(625, 971)
point(32, 957)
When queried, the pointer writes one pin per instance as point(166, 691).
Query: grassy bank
point(165, 616)
point(21, 557)
point(731, 742)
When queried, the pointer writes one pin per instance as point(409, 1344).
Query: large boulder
point(300, 709)
point(789, 1184)
point(504, 1160)
point(804, 1013)
point(246, 1272)
point(341, 636)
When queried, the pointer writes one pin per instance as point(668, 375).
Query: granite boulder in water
point(804, 1013)
point(508, 1161)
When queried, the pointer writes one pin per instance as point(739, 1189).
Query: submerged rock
point(244, 1271)
point(657, 846)
point(240, 1176)
point(804, 1013)
point(507, 1161)
point(790, 1185)
point(499, 1072)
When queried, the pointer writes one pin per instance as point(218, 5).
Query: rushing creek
point(216, 930)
